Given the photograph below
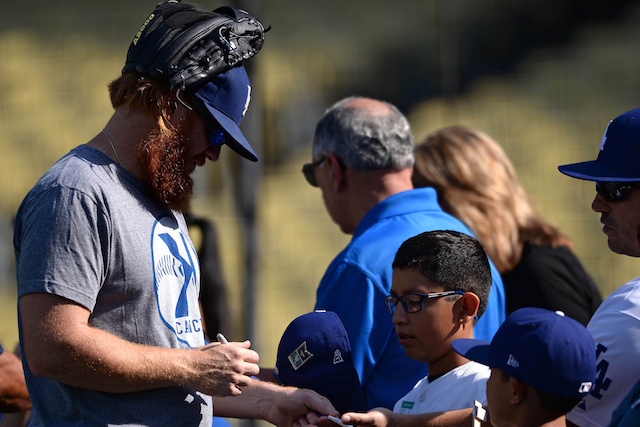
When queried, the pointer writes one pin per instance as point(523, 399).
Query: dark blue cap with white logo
point(541, 348)
point(315, 353)
point(619, 154)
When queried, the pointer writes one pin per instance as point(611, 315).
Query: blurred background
point(542, 77)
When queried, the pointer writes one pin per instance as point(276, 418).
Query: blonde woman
point(476, 182)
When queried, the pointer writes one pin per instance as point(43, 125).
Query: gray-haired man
point(362, 162)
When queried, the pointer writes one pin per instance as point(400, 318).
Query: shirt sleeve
point(60, 241)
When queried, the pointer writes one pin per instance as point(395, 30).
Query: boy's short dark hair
point(451, 259)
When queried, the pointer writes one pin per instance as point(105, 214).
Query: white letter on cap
point(604, 137)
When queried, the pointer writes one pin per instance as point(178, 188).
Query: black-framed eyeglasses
point(308, 170)
point(413, 302)
point(615, 191)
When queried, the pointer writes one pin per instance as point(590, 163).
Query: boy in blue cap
point(542, 365)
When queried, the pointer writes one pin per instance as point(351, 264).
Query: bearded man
point(108, 279)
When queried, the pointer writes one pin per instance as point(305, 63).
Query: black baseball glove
point(189, 45)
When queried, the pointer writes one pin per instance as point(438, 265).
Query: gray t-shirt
point(89, 231)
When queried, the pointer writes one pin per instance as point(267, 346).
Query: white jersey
point(457, 389)
point(615, 328)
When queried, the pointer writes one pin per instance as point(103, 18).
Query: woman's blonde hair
point(477, 183)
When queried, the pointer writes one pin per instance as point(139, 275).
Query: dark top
point(551, 278)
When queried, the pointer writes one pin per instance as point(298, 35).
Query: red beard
point(161, 160)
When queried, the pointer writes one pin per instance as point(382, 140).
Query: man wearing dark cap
point(615, 326)
point(108, 278)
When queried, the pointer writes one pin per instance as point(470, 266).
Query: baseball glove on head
point(188, 45)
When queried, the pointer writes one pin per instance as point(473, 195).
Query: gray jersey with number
point(89, 231)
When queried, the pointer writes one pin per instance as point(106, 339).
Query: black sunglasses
point(308, 170)
point(615, 191)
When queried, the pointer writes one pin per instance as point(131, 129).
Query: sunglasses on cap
point(615, 191)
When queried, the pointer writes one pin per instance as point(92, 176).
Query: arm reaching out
point(60, 344)
point(279, 405)
point(382, 417)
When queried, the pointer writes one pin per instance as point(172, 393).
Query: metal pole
point(247, 189)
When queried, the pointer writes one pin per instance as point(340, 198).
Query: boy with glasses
point(615, 326)
point(440, 287)
point(441, 283)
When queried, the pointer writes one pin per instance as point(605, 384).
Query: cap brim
point(593, 170)
point(236, 141)
point(476, 350)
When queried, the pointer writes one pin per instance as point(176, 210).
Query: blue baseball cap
point(222, 103)
point(544, 349)
point(314, 353)
point(619, 154)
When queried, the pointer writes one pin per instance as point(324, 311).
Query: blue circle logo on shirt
point(177, 281)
